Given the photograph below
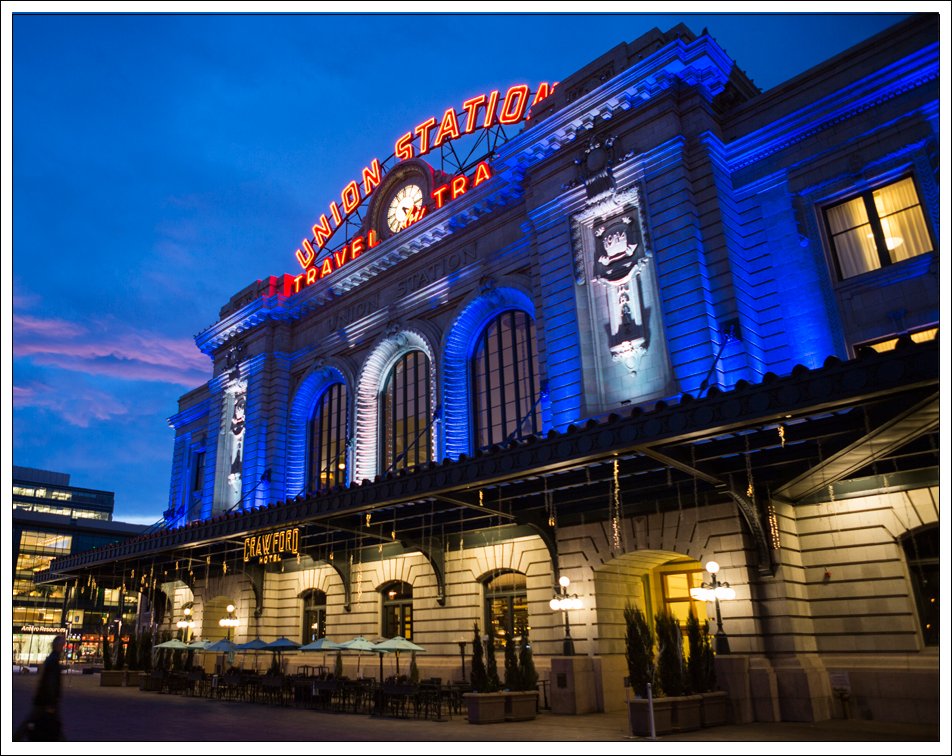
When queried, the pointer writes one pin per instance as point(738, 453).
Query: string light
point(617, 509)
point(750, 472)
point(783, 440)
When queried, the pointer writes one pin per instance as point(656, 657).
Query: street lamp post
point(716, 591)
point(565, 601)
point(186, 624)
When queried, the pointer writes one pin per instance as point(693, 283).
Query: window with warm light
point(397, 610)
point(328, 431)
point(315, 616)
point(878, 228)
point(507, 606)
point(676, 587)
point(889, 343)
point(922, 557)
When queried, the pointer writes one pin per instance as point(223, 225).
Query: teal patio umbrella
point(321, 644)
point(223, 646)
point(396, 645)
point(358, 644)
point(252, 645)
point(280, 645)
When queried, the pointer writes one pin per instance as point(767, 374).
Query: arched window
point(315, 616)
point(406, 431)
point(506, 381)
point(328, 440)
point(397, 610)
point(507, 608)
point(922, 556)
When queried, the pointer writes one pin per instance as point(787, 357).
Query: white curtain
point(903, 224)
point(853, 238)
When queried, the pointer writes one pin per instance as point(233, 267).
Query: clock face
point(408, 199)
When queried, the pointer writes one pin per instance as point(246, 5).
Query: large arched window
point(327, 461)
point(507, 606)
point(315, 616)
point(506, 381)
point(406, 431)
point(397, 610)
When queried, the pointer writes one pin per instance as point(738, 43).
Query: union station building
point(610, 328)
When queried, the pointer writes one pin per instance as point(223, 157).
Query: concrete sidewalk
point(93, 713)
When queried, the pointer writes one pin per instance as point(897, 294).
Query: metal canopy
point(665, 457)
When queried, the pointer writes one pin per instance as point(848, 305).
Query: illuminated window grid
point(407, 413)
point(329, 439)
point(398, 610)
point(506, 380)
point(922, 552)
point(877, 228)
point(507, 606)
point(315, 616)
point(676, 587)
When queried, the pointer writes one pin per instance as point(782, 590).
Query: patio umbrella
point(252, 645)
point(173, 645)
point(397, 645)
point(281, 644)
point(358, 644)
point(321, 644)
point(200, 646)
point(223, 646)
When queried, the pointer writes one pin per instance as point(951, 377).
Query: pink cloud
point(78, 407)
point(109, 348)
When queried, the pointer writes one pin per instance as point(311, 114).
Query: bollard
point(651, 713)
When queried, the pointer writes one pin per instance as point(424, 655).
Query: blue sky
point(162, 163)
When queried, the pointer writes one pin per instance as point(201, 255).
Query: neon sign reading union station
point(406, 202)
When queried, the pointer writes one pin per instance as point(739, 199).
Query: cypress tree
point(527, 671)
point(492, 673)
point(132, 652)
point(512, 664)
point(145, 652)
point(339, 666)
point(639, 651)
point(120, 652)
point(106, 654)
point(696, 659)
point(671, 671)
point(478, 672)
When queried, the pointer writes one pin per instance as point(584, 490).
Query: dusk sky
point(162, 163)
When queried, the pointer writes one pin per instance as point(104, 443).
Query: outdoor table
point(273, 688)
point(229, 686)
point(155, 681)
point(328, 692)
point(396, 698)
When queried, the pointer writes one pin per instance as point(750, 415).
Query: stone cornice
point(836, 385)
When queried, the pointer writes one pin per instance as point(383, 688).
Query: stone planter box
point(685, 713)
point(485, 708)
point(639, 720)
point(112, 678)
point(714, 708)
point(521, 705)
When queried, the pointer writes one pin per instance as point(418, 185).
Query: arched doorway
point(652, 581)
point(213, 611)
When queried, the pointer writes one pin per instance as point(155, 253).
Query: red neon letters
point(514, 108)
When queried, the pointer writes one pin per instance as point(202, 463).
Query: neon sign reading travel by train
point(481, 112)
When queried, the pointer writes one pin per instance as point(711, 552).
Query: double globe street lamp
point(230, 621)
point(565, 601)
point(187, 624)
point(716, 591)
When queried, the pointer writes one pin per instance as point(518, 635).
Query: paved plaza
point(93, 713)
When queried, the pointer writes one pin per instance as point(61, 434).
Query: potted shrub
point(522, 694)
point(483, 705)
point(414, 670)
point(639, 655)
point(110, 677)
point(713, 701)
point(673, 676)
